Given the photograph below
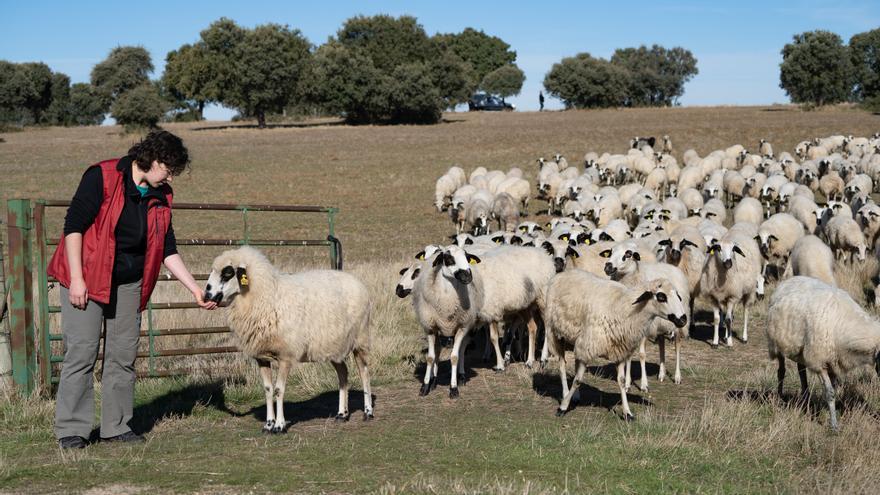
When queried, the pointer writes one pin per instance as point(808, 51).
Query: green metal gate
point(32, 364)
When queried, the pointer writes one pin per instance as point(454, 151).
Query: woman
point(117, 233)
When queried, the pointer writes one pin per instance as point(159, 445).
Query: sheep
point(690, 177)
point(845, 236)
point(457, 174)
point(447, 301)
point(311, 316)
point(656, 181)
point(625, 265)
point(803, 210)
point(748, 210)
point(519, 189)
point(443, 190)
point(734, 185)
point(667, 145)
point(603, 319)
point(685, 249)
point(776, 237)
point(477, 172)
point(692, 199)
point(715, 211)
point(823, 330)
point(754, 185)
point(607, 209)
point(859, 183)
point(811, 257)
point(477, 215)
point(765, 149)
point(731, 275)
point(505, 210)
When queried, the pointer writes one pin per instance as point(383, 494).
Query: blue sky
point(737, 44)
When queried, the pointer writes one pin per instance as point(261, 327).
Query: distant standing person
point(117, 233)
point(541, 100)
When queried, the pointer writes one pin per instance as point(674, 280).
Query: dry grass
point(722, 430)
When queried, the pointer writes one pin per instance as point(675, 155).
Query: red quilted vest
point(99, 243)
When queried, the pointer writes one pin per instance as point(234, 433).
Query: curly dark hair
point(163, 147)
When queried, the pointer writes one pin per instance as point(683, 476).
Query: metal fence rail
point(28, 245)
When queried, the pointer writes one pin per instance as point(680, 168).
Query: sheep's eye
point(403, 270)
point(448, 260)
point(710, 214)
point(227, 273)
point(416, 273)
point(679, 297)
point(661, 297)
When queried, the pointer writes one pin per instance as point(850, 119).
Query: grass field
point(722, 430)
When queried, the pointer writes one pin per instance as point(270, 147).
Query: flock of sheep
point(634, 239)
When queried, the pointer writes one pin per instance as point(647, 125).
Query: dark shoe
point(72, 442)
point(127, 437)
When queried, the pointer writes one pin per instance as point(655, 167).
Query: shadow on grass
point(179, 403)
point(549, 385)
point(306, 125)
point(847, 400)
point(323, 406)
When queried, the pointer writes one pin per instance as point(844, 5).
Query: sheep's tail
point(337, 248)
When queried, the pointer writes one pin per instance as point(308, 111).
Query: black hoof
point(560, 412)
point(529, 365)
point(341, 418)
point(453, 393)
point(368, 416)
point(498, 370)
point(629, 418)
point(426, 387)
point(714, 346)
point(462, 378)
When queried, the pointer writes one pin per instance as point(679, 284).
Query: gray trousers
point(75, 401)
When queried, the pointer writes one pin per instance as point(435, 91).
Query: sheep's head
point(454, 262)
point(765, 242)
point(622, 260)
point(724, 252)
point(672, 251)
point(462, 240)
point(662, 300)
point(227, 280)
point(408, 276)
point(558, 251)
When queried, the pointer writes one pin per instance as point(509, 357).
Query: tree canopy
point(125, 68)
point(139, 107)
point(816, 68)
point(583, 81)
point(865, 56)
point(480, 52)
point(504, 81)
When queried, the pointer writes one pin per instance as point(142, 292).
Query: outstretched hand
point(199, 294)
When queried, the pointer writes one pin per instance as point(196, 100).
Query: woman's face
point(158, 175)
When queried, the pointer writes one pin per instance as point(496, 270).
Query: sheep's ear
point(241, 275)
point(564, 237)
point(472, 259)
point(583, 238)
point(605, 237)
point(684, 243)
point(571, 252)
point(773, 238)
point(606, 253)
point(439, 259)
point(420, 256)
point(403, 270)
point(548, 247)
point(523, 229)
point(516, 240)
point(646, 296)
point(468, 241)
point(739, 251)
point(665, 242)
point(497, 239)
point(538, 227)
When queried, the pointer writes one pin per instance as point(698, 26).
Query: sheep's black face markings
point(415, 273)
point(227, 273)
point(646, 296)
point(739, 251)
point(661, 297)
point(402, 271)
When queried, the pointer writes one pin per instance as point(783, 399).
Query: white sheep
point(311, 316)
point(776, 237)
point(519, 189)
point(506, 210)
point(748, 210)
point(731, 276)
point(443, 190)
point(447, 301)
point(845, 236)
point(823, 330)
point(603, 319)
point(811, 257)
point(715, 211)
point(692, 199)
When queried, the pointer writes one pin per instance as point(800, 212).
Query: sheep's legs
point(266, 375)
point(342, 375)
point(545, 349)
point(280, 382)
point(628, 383)
point(677, 378)
point(829, 398)
point(360, 357)
point(532, 326)
point(661, 344)
point(780, 375)
point(745, 335)
point(805, 387)
point(430, 366)
point(621, 381)
point(643, 380)
point(493, 336)
point(716, 320)
point(575, 385)
point(728, 325)
point(453, 361)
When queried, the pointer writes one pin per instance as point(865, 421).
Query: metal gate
point(32, 364)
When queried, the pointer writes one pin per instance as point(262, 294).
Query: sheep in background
point(457, 174)
point(519, 189)
point(803, 210)
point(823, 330)
point(312, 316)
point(692, 199)
point(447, 301)
point(776, 237)
point(602, 318)
point(845, 236)
point(754, 185)
point(685, 248)
point(504, 209)
point(765, 149)
point(730, 276)
point(748, 210)
point(444, 188)
point(477, 216)
point(715, 211)
point(477, 172)
point(667, 145)
point(811, 257)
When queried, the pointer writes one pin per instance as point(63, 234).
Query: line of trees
point(633, 77)
point(375, 69)
point(818, 69)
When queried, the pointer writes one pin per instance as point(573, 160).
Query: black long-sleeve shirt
point(131, 230)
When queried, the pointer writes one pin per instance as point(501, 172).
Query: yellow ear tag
point(588, 241)
point(244, 280)
point(564, 238)
point(472, 261)
point(422, 258)
point(497, 242)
